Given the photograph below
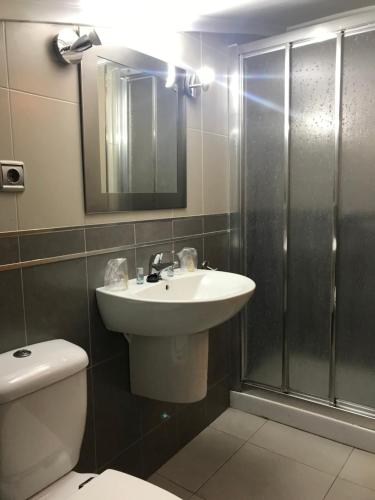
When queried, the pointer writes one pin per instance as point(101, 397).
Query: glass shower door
point(264, 193)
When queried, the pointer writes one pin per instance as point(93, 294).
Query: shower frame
point(360, 22)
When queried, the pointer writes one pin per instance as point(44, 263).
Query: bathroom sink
point(186, 304)
point(167, 326)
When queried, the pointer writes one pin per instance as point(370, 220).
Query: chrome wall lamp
point(199, 80)
point(69, 45)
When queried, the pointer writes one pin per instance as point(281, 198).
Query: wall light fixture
point(70, 45)
point(199, 80)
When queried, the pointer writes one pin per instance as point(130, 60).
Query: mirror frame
point(95, 200)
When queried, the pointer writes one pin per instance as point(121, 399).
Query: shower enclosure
point(308, 213)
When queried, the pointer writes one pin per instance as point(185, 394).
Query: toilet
point(43, 401)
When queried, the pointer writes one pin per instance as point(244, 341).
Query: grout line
point(34, 94)
point(103, 251)
point(23, 306)
point(3, 29)
point(293, 459)
point(222, 465)
point(173, 482)
point(90, 357)
point(338, 474)
point(234, 435)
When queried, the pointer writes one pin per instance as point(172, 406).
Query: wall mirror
point(133, 130)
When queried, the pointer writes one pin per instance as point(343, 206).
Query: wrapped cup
point(188, 259)
point(116, 274)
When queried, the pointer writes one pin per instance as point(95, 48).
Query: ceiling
point(249, 18)
point(269, 17)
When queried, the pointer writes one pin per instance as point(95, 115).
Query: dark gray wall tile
point(235, 251)
point(87, 459)
point(235, 353)
point(104, 344)
point(116, 410)
point(160, 445)
point(153, 231)
point(188, 226)
point(8, 249)
point(216, 222)
point(109, 236)
point(123, 431)
point(191, 420)
point(12, 330)
point(143, 254)
point(196, 243)
point(51, 244)
point(154, 413)
point(219, 353)
point(235, 220)
point(217, 400)
point(130, 461)
point(216, 250)
point(56, 302)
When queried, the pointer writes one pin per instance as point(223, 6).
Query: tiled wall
point(39, 109)
point(39, 125)
point(56, 299)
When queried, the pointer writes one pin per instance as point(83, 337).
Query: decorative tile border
point(39, 247)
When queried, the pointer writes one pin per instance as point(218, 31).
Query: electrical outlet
point(12, 176)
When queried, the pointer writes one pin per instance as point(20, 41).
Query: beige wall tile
point(32, 64)
point(46, 135)
point(3, 63)
point(215, 174)
point(8, 212)
point(215, 99)
point(194, 175)
point(8, 208)
point(6, 152)
point(191, 55)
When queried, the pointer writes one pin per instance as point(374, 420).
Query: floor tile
point(360, 469)
point(258, 474)
point(344, 490)
point(309, 449)
point(167, 485)
point(192, 466)
point(238, 423)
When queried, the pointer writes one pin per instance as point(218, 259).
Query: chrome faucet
point(206, 265)
point(160, 261)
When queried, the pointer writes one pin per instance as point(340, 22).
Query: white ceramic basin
point(185, 304)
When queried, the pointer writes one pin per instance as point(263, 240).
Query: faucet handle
point(206, 265)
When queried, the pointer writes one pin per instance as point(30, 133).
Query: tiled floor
point(243, 457)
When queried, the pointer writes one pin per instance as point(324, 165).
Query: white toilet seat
point(110, 485)
point(114, 485)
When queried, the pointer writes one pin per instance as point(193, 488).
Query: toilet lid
point(114, 485)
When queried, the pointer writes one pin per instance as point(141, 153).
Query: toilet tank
point(43, 402)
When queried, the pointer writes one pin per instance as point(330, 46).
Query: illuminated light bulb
point(206, 75)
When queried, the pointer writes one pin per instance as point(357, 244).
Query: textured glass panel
point(264, 129)
point(356, 281)
point(311, 188)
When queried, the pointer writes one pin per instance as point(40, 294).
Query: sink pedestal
point(172, 368)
